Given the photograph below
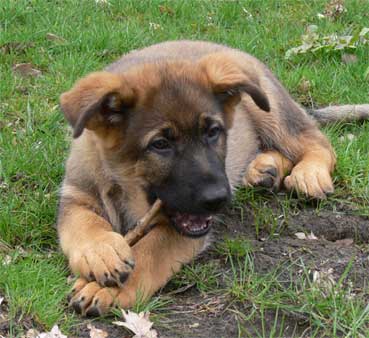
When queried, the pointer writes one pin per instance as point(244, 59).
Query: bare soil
point(340, 235)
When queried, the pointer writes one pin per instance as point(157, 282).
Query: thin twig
point(143, 225)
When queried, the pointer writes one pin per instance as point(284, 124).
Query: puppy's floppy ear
point(228, 80)
point(98, 100)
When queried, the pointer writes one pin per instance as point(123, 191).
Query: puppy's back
point(168, 51)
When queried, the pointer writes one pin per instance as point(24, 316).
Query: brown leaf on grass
point(334, 9)
point(349, 58)
point(345, 242)
point(26, 69)
point(138, 323)
point(15, 47)
point(96, 333)
point(54, 37)
point(304, 86)
point(166, 10)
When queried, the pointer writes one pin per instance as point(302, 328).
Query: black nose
point(213, 198)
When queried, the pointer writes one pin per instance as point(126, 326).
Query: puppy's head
point(165, 127)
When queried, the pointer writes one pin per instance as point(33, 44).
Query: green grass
point(327, 311)
point(35, 285)
point(34, 142)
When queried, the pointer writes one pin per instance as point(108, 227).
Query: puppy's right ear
point(98, 100)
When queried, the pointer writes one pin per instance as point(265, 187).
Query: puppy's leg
point(94, 250)
point(312, 173)
point(158, 256)
point(289, 130)
point(268, 170)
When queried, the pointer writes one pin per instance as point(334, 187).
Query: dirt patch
point(339, 238)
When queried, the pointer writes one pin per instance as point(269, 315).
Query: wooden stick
point(143, 225)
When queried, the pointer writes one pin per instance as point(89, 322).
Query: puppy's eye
point(213, 133)
point(160, 145)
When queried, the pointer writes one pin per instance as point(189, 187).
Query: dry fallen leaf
point(302, 235)
point(71, 279)
point(26, 69)
point(15, 47)
point(96, 333)
point(345, 242)
point(324, 280)
point(349, 58)
point(349, 137)
point(166, 10)
point(54, 333)
point(7, 260)
point(32, 333)
point(54, 37)
point(335, 9)
point(320, 16)
point(304, 86)
point(311, 236)
point(139, 324)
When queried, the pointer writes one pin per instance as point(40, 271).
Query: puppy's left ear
point(229, 80)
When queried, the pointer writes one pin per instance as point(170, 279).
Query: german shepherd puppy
point(186, 122)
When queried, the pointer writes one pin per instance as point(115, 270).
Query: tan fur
point(260, 170)
point(158, 255)
point(348, 112)
point(103, 193)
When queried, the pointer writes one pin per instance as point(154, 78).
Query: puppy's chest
point(122, 209)
point(116, 208)
point(242, 146)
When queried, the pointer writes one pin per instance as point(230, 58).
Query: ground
point(258, 279)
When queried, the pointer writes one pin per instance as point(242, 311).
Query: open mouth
point(191, 225)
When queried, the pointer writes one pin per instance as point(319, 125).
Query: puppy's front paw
point(263, 171)
point(311, 179)
point(92, 300)
point(105, 258)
